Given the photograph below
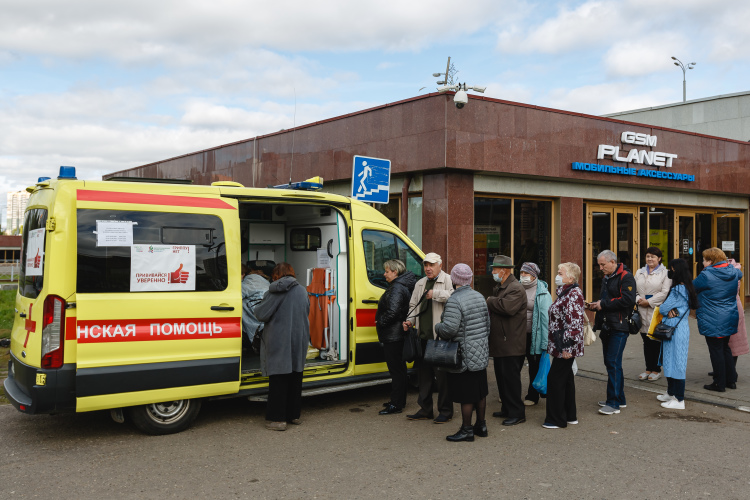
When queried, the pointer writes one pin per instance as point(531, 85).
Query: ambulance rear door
point(157, 296)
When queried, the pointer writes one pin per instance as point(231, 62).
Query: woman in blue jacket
point(674, 353)
point(717, 314)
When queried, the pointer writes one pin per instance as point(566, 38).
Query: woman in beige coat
point(652, 285)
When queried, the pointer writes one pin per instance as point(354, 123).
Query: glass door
point(685, 239)
point(729, 235)
point(704, 231)
point(609, 228)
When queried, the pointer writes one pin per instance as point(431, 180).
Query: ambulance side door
point(158, 299)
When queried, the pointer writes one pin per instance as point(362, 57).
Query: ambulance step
point(326, 390)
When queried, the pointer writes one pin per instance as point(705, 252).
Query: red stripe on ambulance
point(97, 331)
point(151, 199)
point(366, 317)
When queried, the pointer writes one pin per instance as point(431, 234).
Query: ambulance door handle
point(222, 308)
point(369, 301)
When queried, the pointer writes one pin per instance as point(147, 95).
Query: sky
point(106, 86)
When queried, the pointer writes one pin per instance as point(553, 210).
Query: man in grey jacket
point(436, 287)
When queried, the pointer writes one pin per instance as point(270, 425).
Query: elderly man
point(432, 291)
point(612, 313)
point(507, 307)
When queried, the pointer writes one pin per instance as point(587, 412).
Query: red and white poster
point(162, 268)
point(35, 252)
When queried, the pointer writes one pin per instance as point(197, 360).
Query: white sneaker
point(674, 405)
point(654, 376)
point(665, 397)
point(643, 376)
point(572, 422)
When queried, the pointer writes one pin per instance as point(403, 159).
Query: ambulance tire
point(168, 417)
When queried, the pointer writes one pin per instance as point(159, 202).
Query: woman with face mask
point(538, 302)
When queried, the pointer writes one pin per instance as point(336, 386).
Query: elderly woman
point(680, 300)
point(467, 321)
point(286, 335)
point(718, 315)
point(565, 344)
point(652, 285)
point(538, 301)
point(393, 307)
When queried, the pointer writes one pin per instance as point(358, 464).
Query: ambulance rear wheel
point(165, 418)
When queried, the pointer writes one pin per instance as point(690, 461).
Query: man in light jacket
point(436, 287)
point(507, 306)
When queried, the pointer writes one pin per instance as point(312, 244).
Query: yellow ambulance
point(129, 294)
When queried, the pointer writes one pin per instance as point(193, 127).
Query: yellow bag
point(655, 320)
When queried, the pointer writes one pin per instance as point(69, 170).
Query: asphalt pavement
point(698, 366)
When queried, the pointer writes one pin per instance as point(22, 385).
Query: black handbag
point(443, 353)
point(635, 323)
point(412, 343)
point(663, 332)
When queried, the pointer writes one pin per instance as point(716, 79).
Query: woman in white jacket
point(652, 286)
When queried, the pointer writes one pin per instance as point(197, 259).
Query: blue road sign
point(371, 178)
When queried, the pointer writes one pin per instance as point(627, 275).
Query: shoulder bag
point(412, 343)
point(634, 322)
point(664, 333)
point(589, 337)
point(444, 353)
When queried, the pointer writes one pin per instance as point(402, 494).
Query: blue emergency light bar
point(67, 173)
point(42, 179)
point(313, 184)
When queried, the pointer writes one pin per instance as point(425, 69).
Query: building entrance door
point(694, 234)
point(612, 228)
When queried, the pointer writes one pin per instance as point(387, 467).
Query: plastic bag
point(540, 382)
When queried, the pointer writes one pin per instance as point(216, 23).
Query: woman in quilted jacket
point(466, 320)
point(565, 344)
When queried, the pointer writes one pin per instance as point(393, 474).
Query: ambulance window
point(31, 279)
point(305, 238)
point(381, 246)
point(107, 269)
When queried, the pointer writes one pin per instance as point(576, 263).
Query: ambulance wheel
point(165, 418)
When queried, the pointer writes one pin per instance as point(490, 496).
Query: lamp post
point(684, 68)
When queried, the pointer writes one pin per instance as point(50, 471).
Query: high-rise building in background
point(17, 202)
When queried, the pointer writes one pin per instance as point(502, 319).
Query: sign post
point(371, 179)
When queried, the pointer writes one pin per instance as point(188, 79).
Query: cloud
point(605, 98)
point(643, 55)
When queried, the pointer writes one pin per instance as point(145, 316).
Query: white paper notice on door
point(323, 259)
point(727, 246)
point(162, 268)
point(114, 233)
point(35, 253)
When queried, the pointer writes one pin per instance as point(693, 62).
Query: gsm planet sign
point(635, 155)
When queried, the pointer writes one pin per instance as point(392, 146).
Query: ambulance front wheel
point(165, 418)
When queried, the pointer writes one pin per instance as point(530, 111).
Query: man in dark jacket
point(613, 311)
point(507, 307)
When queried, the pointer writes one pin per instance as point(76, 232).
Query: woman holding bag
point(467, 321)
point(681, 299)
point(565, 344)
point(652, 284)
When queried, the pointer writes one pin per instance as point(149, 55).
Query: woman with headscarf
point(538, 302)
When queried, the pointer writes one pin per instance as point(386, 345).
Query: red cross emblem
point(30, 326)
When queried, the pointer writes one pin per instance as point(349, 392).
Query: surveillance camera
point(460, 99)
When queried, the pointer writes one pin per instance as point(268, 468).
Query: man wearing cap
point(507, 307)
point(436, 287)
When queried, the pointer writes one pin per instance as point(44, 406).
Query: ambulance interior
point(312, 238)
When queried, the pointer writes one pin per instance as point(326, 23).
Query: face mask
point(526, 280)
point(497, 278)
point(558, 280)
point(670, 274)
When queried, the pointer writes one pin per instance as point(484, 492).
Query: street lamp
point(684, 68)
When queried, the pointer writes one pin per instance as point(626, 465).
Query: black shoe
point(710, 374)
point(465, 433)
point(480, 428)
point(388, 410)
point(732, 386)
point(419, 416)
point(442, 419)
point(514, 421)
point(500, 414)
point(386, 404)
point(713, 387)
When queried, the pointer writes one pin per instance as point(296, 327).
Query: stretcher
point(322, 293)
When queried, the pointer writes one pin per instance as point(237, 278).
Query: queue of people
point(517, 322)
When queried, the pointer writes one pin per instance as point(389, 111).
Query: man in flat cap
point(507, 307)
point(436, 287)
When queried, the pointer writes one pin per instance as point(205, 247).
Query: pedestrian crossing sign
point(371, 179)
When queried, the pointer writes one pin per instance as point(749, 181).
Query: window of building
point(106, 269)
point(518, 228)
point(414, 229)
point(392, 209)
